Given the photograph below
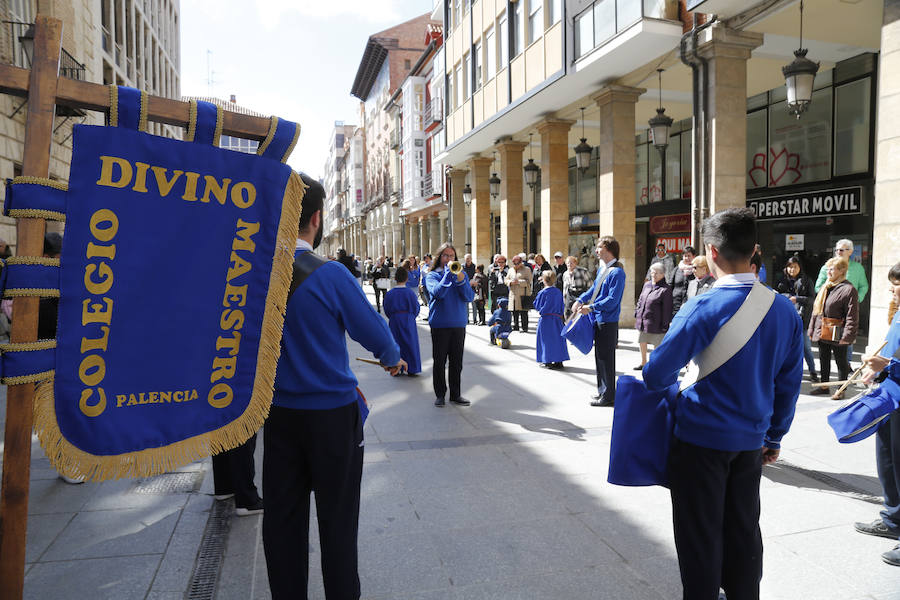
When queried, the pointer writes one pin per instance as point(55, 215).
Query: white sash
point(732, 337)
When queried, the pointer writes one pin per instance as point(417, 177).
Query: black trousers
point(316, 451)
point(887, 454)
point(606, 336)
point(447, 342)
point(715, 511)
point(478, 310)
point(233, 473)
point(840, 359)
point(379, 294)
point(518, 315)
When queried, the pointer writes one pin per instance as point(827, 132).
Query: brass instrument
point(455, 267)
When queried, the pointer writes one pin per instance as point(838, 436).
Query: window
point(584, 33)
point(640, 174)
point(800, 150)
point(467, 4)
point(407, 64)
point(516, 28)
point(466, 79)
point(535, 20)
point(686, 157)
point(628, 13)
point(604, 21)
point(451, 85)
point(757, 153)
point(673, 167)
point(458, 84)
point(491, 61)
point(504, 41)
point(476, 66)
point(555, 8)
point(851, 127)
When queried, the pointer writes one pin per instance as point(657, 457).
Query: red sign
point(670, 224)
point(674, 243)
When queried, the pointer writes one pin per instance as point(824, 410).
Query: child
point(551, 348)
point(402, 307)
point(501, 320)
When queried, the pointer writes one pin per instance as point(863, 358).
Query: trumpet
point(455, 267)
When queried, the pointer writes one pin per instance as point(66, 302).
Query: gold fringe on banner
point(192, 121)
point(59, 185)
point(33, 260)
point(20, 379)
point(220, 120)
point(142, 119)
point(30, 292)
point(273, 126)
point(31, 213)
point(290, 148)
point(113, 105)
point(71, 461)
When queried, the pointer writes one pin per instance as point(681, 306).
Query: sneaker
point(460, 401)
point(223, 496)
point(892, 557)
point(245, 511)
point(814, 378)
point(439, 402)
point(72, 480)
point(876, 527)
point(819, 391)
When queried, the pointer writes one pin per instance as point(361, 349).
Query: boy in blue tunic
point(501, 320)
point(729, 423)
point(887, 439)
point(551, 346)
point(402, 307)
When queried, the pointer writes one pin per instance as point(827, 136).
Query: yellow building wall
point(490, 98)
point(478, 100)
point(553, 41)
point(517, 76)
point(466, 112)
point(534, 64)
point(502, 82)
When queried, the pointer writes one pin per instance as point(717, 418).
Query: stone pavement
point(506, 499)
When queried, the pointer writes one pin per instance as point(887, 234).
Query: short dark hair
point(611, 244)
point(480, 268)
point(313, 200)
point(894, 273)
point(690, 249)
point(733, 233)
point(794, 260)
point(756, 261)
point(660, 245)
point(401, 275)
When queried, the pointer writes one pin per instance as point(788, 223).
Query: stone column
point(423, 237)
point(415, 245)
point(616, 180)
point(727, 51)
point(363, 238)
point(396, 242)
point(435, 238)
point(458, 209)
point(481, 210)
point(554, 185)
point(886, 233)
point(511, 184)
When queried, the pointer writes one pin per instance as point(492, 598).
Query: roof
point(226, 105)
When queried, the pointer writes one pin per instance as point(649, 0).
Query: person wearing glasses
point(856, 275)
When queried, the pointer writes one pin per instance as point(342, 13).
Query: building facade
point(334, 181)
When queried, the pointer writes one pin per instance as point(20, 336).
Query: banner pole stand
point(44, 90)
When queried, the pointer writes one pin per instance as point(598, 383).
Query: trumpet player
point(449, 296)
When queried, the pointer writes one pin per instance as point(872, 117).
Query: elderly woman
point(703, 279)
point(654, 311)
point(834, 322)
point(519, 281)
point(576, 281)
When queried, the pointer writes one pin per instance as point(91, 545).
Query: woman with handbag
point(653, 312)
point(519, 282)
point(834, 322)
point(798, 288)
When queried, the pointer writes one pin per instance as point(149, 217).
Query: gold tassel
point(142, 120)
point(113, 105)
point(220, 120)
point(192, 121)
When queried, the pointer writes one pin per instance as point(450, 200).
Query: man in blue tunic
point(313, 438)
point(551, 347)
point(604, 300)
point(728, 423)
point(402, 307)
point(887, 439)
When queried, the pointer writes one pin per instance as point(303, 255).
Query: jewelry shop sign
point(803, 205)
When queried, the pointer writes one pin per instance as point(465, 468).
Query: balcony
point(395, 139)
point(434, 113)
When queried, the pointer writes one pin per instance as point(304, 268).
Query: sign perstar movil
point(802, 205)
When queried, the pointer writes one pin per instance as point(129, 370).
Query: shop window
point(800, 149)
point(673, 168)
point(642, 193)
point(686, 158)
point(757, 153)
point(851, 127)
point(604, 20)
point(654, 190)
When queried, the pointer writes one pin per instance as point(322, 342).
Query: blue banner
point(175, 267)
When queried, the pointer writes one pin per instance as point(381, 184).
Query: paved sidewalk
point(506, 499)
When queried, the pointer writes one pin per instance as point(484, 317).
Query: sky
point(295, 59)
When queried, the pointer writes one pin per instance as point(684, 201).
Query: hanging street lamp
point(467, 195)
point(799, 77)
point(583, 150)
point(531, 170)
point(495, 182)
point(659, 125)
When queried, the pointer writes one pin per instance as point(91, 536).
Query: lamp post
point(799, 77)
point(583, 150)
point(495, 182)
point(467, 195)
point(659, 129)
point(531, 169)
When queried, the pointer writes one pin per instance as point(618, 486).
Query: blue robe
point(402, 307)
point(551, 347)
point(413, 276)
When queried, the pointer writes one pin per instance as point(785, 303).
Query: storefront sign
point(587, 221)
point(823, 203)
point(670, 224)
point(793, 242)
point(674, 243)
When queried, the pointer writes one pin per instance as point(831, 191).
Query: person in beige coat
point(834, 322)
point(519, 282)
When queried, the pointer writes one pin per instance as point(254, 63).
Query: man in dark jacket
point(381, 281)
point(347, 260)
point(560, 267)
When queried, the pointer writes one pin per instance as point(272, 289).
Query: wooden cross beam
point(45, 89)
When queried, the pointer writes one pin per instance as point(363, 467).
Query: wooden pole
point(30, 239)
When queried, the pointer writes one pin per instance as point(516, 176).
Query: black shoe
point(876, 527)
point(595, 398)
point(638, 368)
point(603, 403)
point(892, 557)
point(439, 402)
point(460, 401)
point(246, 511)
point(820, 391)
point(814, 378)
point(545, 366)
point(412, 374)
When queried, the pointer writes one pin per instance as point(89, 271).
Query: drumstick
point(370, 361)
point(858, 371)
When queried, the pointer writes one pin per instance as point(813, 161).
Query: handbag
point(527, 302)
point(383, 283)
point(644, 420)
point(832, 329)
